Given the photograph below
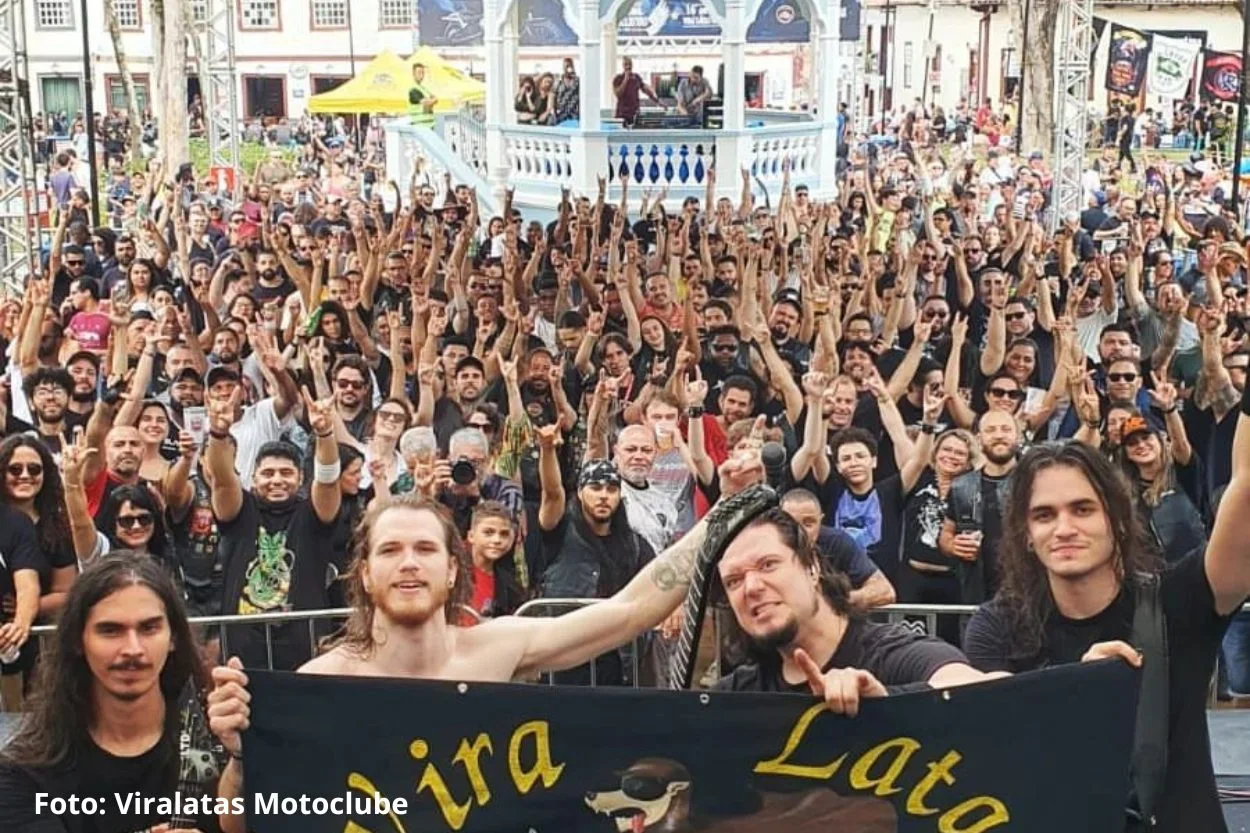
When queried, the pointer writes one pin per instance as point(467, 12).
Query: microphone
point(773, 456)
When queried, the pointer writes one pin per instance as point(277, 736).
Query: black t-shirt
point(1194, 633)
point(897, 656)
point(276, 558)
point(991, 530)
point(100, 775)
point(923, 513)
point(19, 550)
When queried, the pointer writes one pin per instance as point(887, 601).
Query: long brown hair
point(57, 729)
point(357, 635)
point(1025, 596)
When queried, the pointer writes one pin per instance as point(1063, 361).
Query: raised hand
point(840, 688)
point(1164, 396)
point(74, 459)
point(814, 384)
point(549, 436)
point(320, 414)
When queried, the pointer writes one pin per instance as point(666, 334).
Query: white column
point(733, 43)
point(827, 86)
point(500, 80)
point(610, 68)
point(590, 52)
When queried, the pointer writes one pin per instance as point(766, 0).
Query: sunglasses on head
point(31, 469)
point(135, 521)
point(1006, 393)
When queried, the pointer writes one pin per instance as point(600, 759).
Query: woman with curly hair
point(32, 485)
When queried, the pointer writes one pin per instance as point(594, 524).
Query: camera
point(112, 393)
point(463, 471)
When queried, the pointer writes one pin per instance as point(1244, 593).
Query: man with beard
point(114, 273)
point(106, 714)
point(783, 323)
point(723, 356)
point(87, 326)
point(353, 394)
point(973, 526)
point(650, 511)
point(225, 352)
point(797, 616)
point(271, 285)
point(84, 369)
point(1023, 321)
point(410, 577)
point(469, 447)
point(273, 541)
point(457, 402)
point(48, 391)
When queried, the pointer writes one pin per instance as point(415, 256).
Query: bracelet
point(1094, 424)
point(1176, 407)
point(694, 412)
point(219, 435)
point(327, 474)
point(928, 428)
point(329, 433)
point(236, 756)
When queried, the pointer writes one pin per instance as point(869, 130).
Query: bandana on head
point(599, 473)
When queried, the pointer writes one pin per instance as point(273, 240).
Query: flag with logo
point(1221, 76)
point(1171, 66)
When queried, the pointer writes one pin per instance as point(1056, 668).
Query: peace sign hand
point(74, 459)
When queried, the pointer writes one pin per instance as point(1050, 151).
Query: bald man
point(651, 512)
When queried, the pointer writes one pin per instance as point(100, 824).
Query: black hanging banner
point(1036, 753)
point(1221, 76)
point(1127, 60)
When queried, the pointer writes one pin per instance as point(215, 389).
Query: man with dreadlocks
point(409, 576)
point(1078, 577)
point(112, 706)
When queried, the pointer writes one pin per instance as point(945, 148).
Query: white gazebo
point(538, 161)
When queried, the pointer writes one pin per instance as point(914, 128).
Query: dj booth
point(667, 118)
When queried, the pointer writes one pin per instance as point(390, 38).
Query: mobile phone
point(195, 420)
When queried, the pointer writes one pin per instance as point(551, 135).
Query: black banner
point(1127, 60)
point(1038, 753)
point(1221, 76)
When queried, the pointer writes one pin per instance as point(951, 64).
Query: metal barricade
point(558, 607)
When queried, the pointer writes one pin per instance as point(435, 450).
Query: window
point(199, 11)
point(907, 64)
point(117, 93)
point(128, 14)
point(329, 14)
point(395, 14)
point(259, 14)
point(54, 14)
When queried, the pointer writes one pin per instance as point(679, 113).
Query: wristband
point(329, 433)
point(219, 435)
point(927, 428)
point(1176, 407)
point(694, 412)
point(327, 474)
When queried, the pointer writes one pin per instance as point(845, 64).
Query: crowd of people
point(290, 398)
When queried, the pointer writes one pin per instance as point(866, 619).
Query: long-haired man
point(1076, 571)
point(107, 710)
point(410, 575)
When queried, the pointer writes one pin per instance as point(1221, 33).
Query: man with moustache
point(84, 369)
point(48, 391)
point(652, 513)
point(973, 526)
point(458, 401)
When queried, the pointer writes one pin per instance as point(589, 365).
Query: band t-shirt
point(901, 659)
point(1194, 632)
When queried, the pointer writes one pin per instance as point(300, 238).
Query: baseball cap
point(1134, 425)
point(220, 373)
point(599, 473)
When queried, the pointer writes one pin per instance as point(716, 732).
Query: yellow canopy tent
point(382, 86)
point(452, 87)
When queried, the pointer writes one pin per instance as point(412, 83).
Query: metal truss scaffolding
point(221, 99)
point(1074, 34)
point(19, 232)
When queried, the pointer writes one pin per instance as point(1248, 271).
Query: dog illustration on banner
point(654, 796)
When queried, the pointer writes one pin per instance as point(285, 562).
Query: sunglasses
point(393, 417)
point(135, 521)
point(31, 469)
point(73, 263)
point(929, 313)
point(1006, 394)
point(1122, 377)
point(1016, 316)
point(352, 384)
point(724, 348)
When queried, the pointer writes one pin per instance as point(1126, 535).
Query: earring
point(451, 582)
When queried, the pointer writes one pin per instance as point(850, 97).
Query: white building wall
point(299, 53)
point(957, 29)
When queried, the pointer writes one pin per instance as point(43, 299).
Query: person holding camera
point(464, 480)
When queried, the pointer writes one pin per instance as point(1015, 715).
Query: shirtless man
point(410, 572)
